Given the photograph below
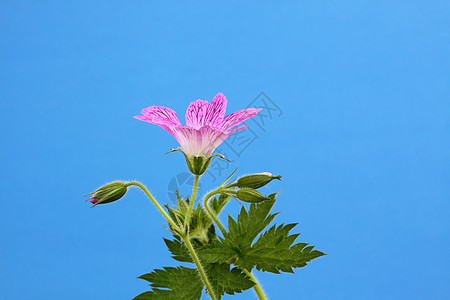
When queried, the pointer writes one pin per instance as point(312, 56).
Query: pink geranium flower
point(206, 124)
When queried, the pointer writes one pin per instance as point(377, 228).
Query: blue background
point(362, 141)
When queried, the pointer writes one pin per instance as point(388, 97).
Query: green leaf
point(172, 284)
point(241, 234)
point(221, 277)
point(224, 280)
point(249, 223)
point(178, 250)
point(145, 296)
point(273, 252)
point(217, 252)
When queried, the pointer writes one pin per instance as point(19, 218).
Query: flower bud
point(110, 192)
point(250, 195)
point(255, 181)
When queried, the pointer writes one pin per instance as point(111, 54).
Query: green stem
point(188, 243)
point(211, 214)
point(168, 218)
point(191, 203)
point(199, 267)
point(258, 290)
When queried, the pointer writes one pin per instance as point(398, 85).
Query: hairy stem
point(211, 214)
point(168, 218)
point(258, 290)
point(199, 267)
point(191, 203)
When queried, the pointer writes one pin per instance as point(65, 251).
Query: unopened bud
point(110, 192)
point(250, 195)
point(255, 181)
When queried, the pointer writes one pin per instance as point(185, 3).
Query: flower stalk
point(188, 243)
point(258, 290)
point(191, 203)
point(156, 203)
point(199, 266)
point(208, 209)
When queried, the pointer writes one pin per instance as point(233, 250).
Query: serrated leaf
point(224, 280)
point(217, 252)
point(145, 296)
point(277, 236)
point(250, 223)
point(241, 233)
point(273, 252)
point(172, 284)
point(221, 277)
point(178, 250)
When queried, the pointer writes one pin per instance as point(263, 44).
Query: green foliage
point(200, 224)
point(249, 223)
point(178, 250)
point(219, 252)
point(172, 284)
point(221, 277)
point(224, 280)
point(272, 252)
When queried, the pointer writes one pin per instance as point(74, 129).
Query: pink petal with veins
point(196, 113)
point(238, 117)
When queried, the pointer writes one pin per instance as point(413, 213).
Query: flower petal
point(199, 142)
point(236, 129)
point(196, 113)
point(189, 139)
point(200, 113)
point(162, 116)
point(216, 111)
point(93, 200)
point(238, 117)
point(159, 115)
point(211, 139)
point(206, 126)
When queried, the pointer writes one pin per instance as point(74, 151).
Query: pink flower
point(206, 124)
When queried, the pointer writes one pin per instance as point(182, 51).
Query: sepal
point(197, 164)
